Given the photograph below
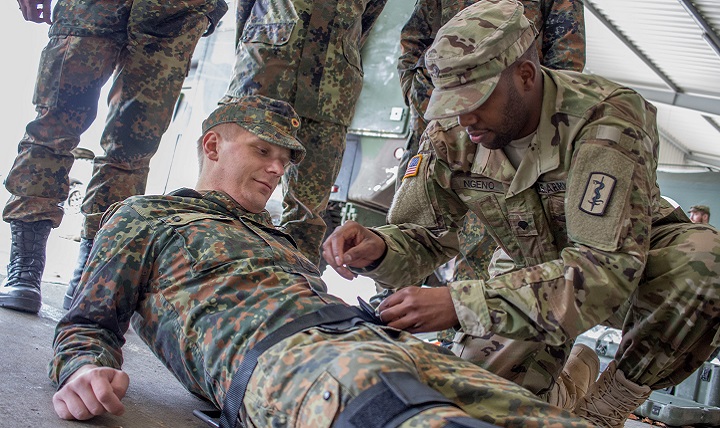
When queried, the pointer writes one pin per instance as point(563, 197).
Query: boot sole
point(20, 304)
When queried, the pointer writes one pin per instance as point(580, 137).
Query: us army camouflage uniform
point(561, 45)
point(588, 237)
point(308, 54)
point(148, 45)
point(200, 303)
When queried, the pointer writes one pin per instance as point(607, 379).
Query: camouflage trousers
point(308, 379)
point(147, 44)
point(669, 324)
point(306, 187)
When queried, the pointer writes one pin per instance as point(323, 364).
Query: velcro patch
point(480, 184)
point(598, 191)
point(550, 187)
point(413, 166)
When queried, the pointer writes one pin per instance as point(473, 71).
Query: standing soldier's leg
point(72, 71)
point(671, 326)
point(306, 187)
point(151, 69)
point(476, 250)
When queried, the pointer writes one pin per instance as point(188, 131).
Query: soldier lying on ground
point(209, 284)
point(561, 169)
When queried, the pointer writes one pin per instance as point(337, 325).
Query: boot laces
point(620, 402)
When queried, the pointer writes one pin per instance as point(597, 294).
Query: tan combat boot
point(611, 399)
point(580, 371)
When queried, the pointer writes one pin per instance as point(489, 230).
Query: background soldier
point(205, 277)
point(561, 169)
point(148, 45)
point(308, 54)
point(700, 214)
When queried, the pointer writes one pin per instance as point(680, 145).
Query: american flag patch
point(413, 165)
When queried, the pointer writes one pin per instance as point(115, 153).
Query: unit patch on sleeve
point(598, 192)
point(413, 166)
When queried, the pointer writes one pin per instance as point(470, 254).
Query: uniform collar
point(542, 156)
point(228, 204)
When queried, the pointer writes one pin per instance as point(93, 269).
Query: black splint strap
point(330, 314)
point(468, 423)
point(397, 398)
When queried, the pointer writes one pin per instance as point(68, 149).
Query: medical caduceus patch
point(598, 191)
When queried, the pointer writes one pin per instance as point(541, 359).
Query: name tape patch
point(598, 191)
point(550, 187)
point(480, 184)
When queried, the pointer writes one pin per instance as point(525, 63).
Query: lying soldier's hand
point(419, 310)
point(352, 245)
point(92, 391)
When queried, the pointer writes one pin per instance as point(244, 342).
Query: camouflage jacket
point(562, 39)
point(574, 219)
point(202, 279)
point(304, 52)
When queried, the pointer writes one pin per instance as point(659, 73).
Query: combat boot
point(580, 371)
point(83, 255)
point(21, 289)
point(611, 399)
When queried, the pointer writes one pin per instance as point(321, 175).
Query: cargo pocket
point(270, 23)
point(321, 404)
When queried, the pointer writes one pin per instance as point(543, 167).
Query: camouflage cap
point(470, 52)
point(701, 208)
point(273, 121)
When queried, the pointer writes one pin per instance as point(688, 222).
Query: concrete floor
point(154, 399)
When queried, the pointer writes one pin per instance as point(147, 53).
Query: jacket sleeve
point(416, 37)
point(92, 332)
point(423, 222)
point(371, 14)
point(563, 44)
point(611, 185)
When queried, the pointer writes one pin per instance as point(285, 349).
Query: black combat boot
point(85, 246)
point(21, 289)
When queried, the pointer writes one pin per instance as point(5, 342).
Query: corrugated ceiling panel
point(666, 33)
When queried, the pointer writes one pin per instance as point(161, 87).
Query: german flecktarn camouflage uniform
point(148, 45)
point(202, 281)
point(584, 236)
point(308, 54)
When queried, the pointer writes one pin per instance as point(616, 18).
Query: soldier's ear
point(210, 142)
point(527, 73)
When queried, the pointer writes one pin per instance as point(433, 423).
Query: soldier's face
point(499, 120)
point(250, 168)
point(698, 217)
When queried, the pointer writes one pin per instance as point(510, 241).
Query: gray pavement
point(154, 399)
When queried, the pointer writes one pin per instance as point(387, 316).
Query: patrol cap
point(701, 208)
point(470, 52)
point(272, 120)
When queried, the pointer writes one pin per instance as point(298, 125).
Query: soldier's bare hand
point(36, 10)
point(92, 391)
point(419, 310)
point(352, 245)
